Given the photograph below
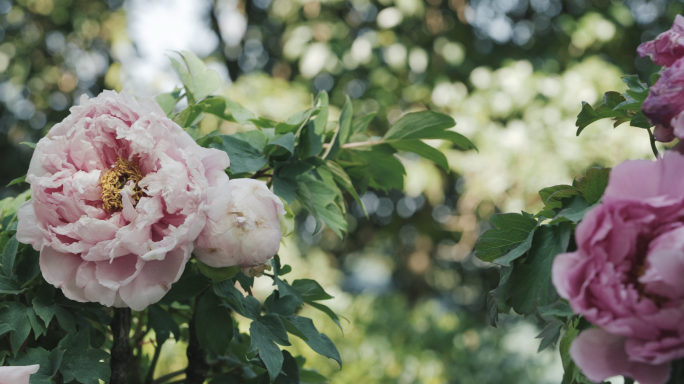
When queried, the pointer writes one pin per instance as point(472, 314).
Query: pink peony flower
point(243, 227)
point(665, 100)
point(668, 46)
point(118, 196)
point(626, 275)
point(17, 375)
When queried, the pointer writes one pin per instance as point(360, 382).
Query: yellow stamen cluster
point(113, 181)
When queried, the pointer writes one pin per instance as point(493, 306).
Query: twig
point(169, 376)
point(357, 144)
point(121, 348)
point(198, 367)
point(261, 173)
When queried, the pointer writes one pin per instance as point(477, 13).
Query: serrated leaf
point(552, 196)
point(605, 110)
point(268, 351)
point(286, 289)
point(530, 281)
point(243, 156)
point(640, 121)
point(14, 314)
point(82, 363)
point(549, 335)
point(186, 288)
point(593, 184)
point(423, 150)
point(510, 234)
point(290, 370)
point(37, 326)
point(213, 323)
point(162, 323)
point(284, 306)
point(319, 342)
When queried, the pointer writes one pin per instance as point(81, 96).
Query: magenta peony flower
point(243, 227)
point(17, 375)
point(668, 46)
point(118, 196)
point(666, 100)
point(626, 275)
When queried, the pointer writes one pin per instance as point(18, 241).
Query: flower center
point(113, 181)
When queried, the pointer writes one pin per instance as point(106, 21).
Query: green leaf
point(552, 196)
point(343, 131)
point(217, 274)
point(168, 101)
point(360, 124)
point(28, 144)
point(241, 114)
point(290, 370)
point(213, 324)
point(423, 150)
point(243, 156)
point(558, 308)
point(199, 82)
point(319, 342)
point(286, 141)
point(37, 326)
point(64, 318)
point(593, 184)
point(606, 110)
point(530, 282)
point(14, 314)
point(18, 180)
point(497, 299)
point(9, 286)
point(509, 237)
point(549, 335)
point(325, 309)
point(285, 289)
point(311, 377)
point(186, 288)
point(564, 347)
point(268, 351)
point(81, 363)
point(574, 209)
point(227, 291)
point(640, 120)
point(49, 363)
point(162, 323)
point(287, 221)
point(634, 83)
point(378, 168)
point(284, 306)
point(188, 117)
point(9, 254)
point(310, 290)
point(417, 124)
point(343, 180)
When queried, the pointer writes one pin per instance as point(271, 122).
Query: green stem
point(652, 138)
point(150, 371)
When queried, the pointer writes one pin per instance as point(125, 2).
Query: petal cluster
point(243, 225)
point(625, 276)
point(128, 253)
point(668, 47)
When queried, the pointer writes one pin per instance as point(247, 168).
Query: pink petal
point(59, 269)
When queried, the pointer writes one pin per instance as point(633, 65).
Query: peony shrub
point(97, 256)
point(602, 263)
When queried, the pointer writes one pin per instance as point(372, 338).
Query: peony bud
point(243, 225)
point(665, 100)
point(668, 47)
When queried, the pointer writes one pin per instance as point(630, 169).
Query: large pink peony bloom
point(118, 197)
point(626, 275)
point(17, 374)
point(665, 101)
point(243, 227)
point(668, 46)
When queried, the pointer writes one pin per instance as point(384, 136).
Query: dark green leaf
point(243, 156)
point(65, 318)
point(343, 179)
point(9, 285)
point(510, 235)
point(284, 306)
point(276, 329)
point(188, 117)
point(634, 84)
point(342, 133)
point(162, 323)
point(574, 209)
point(319, 342)
point(286, 289)
point(49, 363)
point(310, 290)
point(558, 308)
point(549, 335)
point(213, 324)
point(9, 254)
point(327, 311)
point(186, 288)
point(378, 167)
point(311, 377)
point(226, 290)
point(640, 120)
point(14, 314)
point(590, 115)
point(552, 196)
point(81, 363)
point(268, 351)
point(37, 326)
point(286, 141)
point(530, 281)
point(593, 184)
point(290, 371)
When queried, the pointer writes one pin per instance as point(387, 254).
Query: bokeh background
point(511, 72)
